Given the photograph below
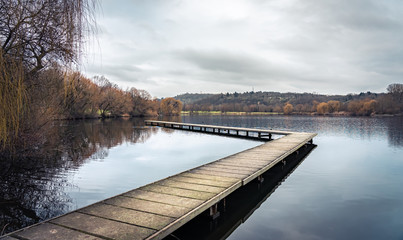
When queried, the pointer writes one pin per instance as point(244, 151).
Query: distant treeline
point(363, 104)
point(75, 96)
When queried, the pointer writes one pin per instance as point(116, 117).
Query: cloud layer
point(168, 47)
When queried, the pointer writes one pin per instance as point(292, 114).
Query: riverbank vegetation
point(41, 47)
point(363, 104)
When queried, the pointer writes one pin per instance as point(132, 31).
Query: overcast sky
point(169, 47)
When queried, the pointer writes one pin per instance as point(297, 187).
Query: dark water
point(349, 187)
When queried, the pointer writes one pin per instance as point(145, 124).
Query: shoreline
point(336, 114)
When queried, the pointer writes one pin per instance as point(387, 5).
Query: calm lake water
point(348, 187)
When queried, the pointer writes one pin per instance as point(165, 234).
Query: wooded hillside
point(355, 104)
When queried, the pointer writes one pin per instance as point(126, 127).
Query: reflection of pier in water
point(242, 203)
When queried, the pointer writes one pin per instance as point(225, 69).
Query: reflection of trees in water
point(87, 139)
point(395, 131)
point(172, 118)
point(33, 188)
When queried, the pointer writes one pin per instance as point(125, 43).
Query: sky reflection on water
point(131, 165)
point(349, 187)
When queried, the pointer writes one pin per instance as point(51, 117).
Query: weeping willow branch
point(12, 99)
point(43, 32)
point(34, 35)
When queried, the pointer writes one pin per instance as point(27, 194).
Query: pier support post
point(214, 213)
point(260, 178)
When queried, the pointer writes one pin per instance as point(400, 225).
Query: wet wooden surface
point(157, 209)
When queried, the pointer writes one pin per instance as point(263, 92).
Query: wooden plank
point(200, 181)
point(234, 167)
point(164, 198)
point(190, 186)
point(126, 215)
point(226, 170)
point(258, 162)
point(148, 206)
point(179, 192)
point(102, 227)
point(51, 231)
point(210, 177)
point(238, 165)
point(218, 174)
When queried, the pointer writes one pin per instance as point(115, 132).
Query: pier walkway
point(157, 209)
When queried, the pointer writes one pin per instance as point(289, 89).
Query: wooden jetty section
point(156, 210)
point(242, 203)
point(259, 134)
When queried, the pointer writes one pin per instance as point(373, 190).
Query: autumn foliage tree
point(363, 107)
point(79, 95)
point(322, 108)
point(170, 106)
point(288, 108)
point(334, 106)
point(142, 103)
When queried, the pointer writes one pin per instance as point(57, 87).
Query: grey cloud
point(218, 60)
point(238, 65)
point(323, 46)
point(117, 72)
point(358, 15)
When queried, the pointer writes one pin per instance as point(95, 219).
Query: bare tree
point(33, 36)
point(396, 90)
point(44, 31)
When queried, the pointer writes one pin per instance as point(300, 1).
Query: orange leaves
point(362, 107)
point(170, 106)
point(288, 108)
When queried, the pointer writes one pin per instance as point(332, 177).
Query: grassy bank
point(228, 113)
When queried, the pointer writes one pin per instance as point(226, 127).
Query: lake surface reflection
point(349, 187)
point(88, 161)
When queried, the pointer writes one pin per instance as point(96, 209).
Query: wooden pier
point(156, 210)
point(251, 133)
